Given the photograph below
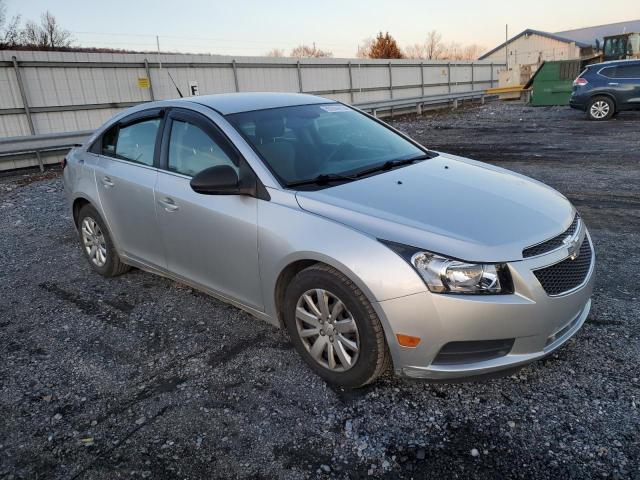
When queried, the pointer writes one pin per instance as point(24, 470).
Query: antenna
point(174, 84)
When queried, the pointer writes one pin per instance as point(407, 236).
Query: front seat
point(278, 153)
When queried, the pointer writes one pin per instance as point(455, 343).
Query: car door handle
point(614, 83)
point(106, 181)
point(168, 204)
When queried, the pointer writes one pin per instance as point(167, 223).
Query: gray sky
point(245, 27)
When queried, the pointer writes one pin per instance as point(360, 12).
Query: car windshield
point(300, 143)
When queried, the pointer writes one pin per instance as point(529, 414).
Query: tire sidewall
point(367, 361)
point(611, 104)
point(107, 269)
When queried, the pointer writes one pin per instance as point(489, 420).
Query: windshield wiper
point(390, 164)
point(322, 179)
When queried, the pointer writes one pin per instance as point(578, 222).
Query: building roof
point(590, 34)
point(530, 31)
point(228, 103)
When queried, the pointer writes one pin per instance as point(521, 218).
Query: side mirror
point(222, 180)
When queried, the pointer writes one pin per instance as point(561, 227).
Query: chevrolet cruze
point(372, 251)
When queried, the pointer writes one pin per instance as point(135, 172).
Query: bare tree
point(48, 34)
point(433, 47)
point(452, 51)
point(9, 28)
point(275, 52)
point(472, 52)
point(417, 50)
point(364, 48)
point(304, 51)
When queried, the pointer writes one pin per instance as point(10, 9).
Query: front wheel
point(601, 108)
point(334, 327)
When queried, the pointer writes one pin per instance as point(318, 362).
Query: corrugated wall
point(70, 91)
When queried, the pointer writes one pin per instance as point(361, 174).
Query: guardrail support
point(422, 76)
point(235, 74)
point(25, 104)
point(390, 81)
point(449, 76)
point(146, 67)
point(491, 65)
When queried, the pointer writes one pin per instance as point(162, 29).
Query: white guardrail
point(59, 143)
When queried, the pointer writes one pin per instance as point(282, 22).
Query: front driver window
point(191, 150)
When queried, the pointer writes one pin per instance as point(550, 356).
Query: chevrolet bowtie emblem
point(573, 246)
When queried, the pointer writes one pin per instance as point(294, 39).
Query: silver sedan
point(373, 251)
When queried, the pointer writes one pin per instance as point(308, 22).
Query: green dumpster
point(553, 81)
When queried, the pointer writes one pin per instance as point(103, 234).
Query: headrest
point(269, 128)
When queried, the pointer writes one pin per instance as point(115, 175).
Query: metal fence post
point(472, 86)
point(449, 76)
point(25, 105)
point(235, 74)
point(390, 81)
point(350, 82)
point(146, 67)
point(491, 65)
point(422, 76)
point(299, 76)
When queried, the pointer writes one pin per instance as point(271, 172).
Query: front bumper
point(537, 323)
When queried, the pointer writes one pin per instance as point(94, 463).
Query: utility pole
point(506, 46)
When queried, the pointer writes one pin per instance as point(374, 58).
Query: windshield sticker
point(335, 108)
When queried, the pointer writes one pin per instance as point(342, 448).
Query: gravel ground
point(141, 377)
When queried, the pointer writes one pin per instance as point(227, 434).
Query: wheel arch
point(609, 95)
point(77, 205)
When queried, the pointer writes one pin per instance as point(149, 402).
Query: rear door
point(209, 239)
point(126, 174)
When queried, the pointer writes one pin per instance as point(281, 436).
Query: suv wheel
point(334, 327)
point(601, 108)
point(97, 245)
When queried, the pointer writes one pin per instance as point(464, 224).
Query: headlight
point(445, 275)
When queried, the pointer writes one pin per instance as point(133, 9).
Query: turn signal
point(407, 340)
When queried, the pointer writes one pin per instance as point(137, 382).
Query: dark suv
point(605, 89)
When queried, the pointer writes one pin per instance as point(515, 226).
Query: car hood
point(449, 205)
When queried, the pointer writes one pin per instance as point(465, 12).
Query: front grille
point(552, 243)
point(457, 353)
point(567, 274)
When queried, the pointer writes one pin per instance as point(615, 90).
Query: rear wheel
point(601, 108)
point(97, 245)
point(334, 327)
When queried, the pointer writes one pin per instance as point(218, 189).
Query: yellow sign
point(143, 82)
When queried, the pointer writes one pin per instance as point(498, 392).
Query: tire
point(600, 108)
point(372, 358)
point(93, 232)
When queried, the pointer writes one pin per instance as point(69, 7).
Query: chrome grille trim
point(556, 242)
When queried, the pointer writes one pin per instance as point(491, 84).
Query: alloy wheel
point(94, 242)
point(327, 329)
point(599, 109)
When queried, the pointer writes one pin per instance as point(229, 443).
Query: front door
point(209, 239)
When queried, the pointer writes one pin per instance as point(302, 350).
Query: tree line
point(44, 35)
point(385, 46)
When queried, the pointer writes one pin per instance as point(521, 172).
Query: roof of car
point(228, 103)
point(611, 63)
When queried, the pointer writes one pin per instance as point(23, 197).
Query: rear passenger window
point(192, 150)
point(137, 142)
point(628, 71)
